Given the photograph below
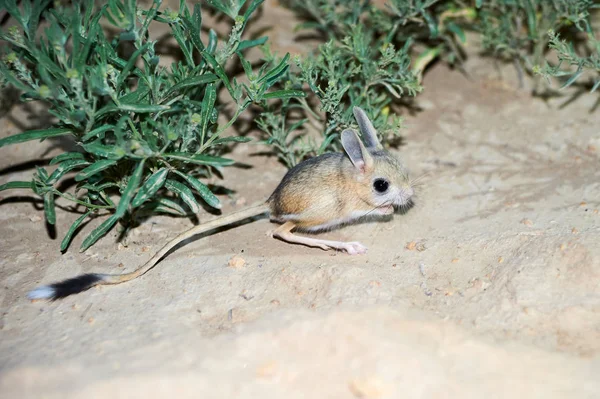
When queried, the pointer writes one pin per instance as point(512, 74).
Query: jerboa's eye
point(381, 185)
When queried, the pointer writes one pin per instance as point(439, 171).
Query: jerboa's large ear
point(356, 151)
point(366, 128)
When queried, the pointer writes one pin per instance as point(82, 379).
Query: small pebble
point(267, 369)
point(527, 222)
point(236, 262)
point(425, 289)
point(422, 269)
point(244, 294)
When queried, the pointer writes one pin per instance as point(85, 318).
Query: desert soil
point(489, 287)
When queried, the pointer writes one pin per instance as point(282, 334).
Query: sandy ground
point(489, 287)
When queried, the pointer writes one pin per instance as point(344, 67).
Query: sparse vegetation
point(145, 132)
point(148, 135)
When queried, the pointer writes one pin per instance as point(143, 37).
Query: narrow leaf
point(67, 240)
point(97, 132)
point(157, 208)
point(250, 10)
point(246, 44)
point(457, 30)
point(150, 187)
point(49, 207)
point(219, 71)
point(284, 94)
point(34, 18)
point(433, 29)
point(65, 167)
point(236, 139)
point(120, 63)
point(42, 174)
point(94, 168)
point(218, 5)
point(200, 159)
point(208, 103)
point(212, 41)
point(91, 38)
point(162, 203)
point(139, 108)
point(573, 78)
point(424, 59)
point(129, 192)
point(531, 18)
point(247, 67)
point(184, 193)
point(125, 72)
point(326, 142)
point(98, 232)
point(275, 72)
point(66, 156)
point(197, 16)
point(105, 151)
point(13, 10)
point(43, 59)
point(93, 187)
point(16, 185)
point(179, 36)
point(137, 96)
point(33, 135)
point(193, 81)
point(202, 189)
point(296, 125)
point(194, 30)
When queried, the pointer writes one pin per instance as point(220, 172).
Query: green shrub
point(517, 31)
point(145, 132)
point(566, 54)
point(374, 57)
point(365, 61)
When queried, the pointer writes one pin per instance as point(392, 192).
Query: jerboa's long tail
point(86, 281)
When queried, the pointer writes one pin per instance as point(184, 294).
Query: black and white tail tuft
point(65, 288)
